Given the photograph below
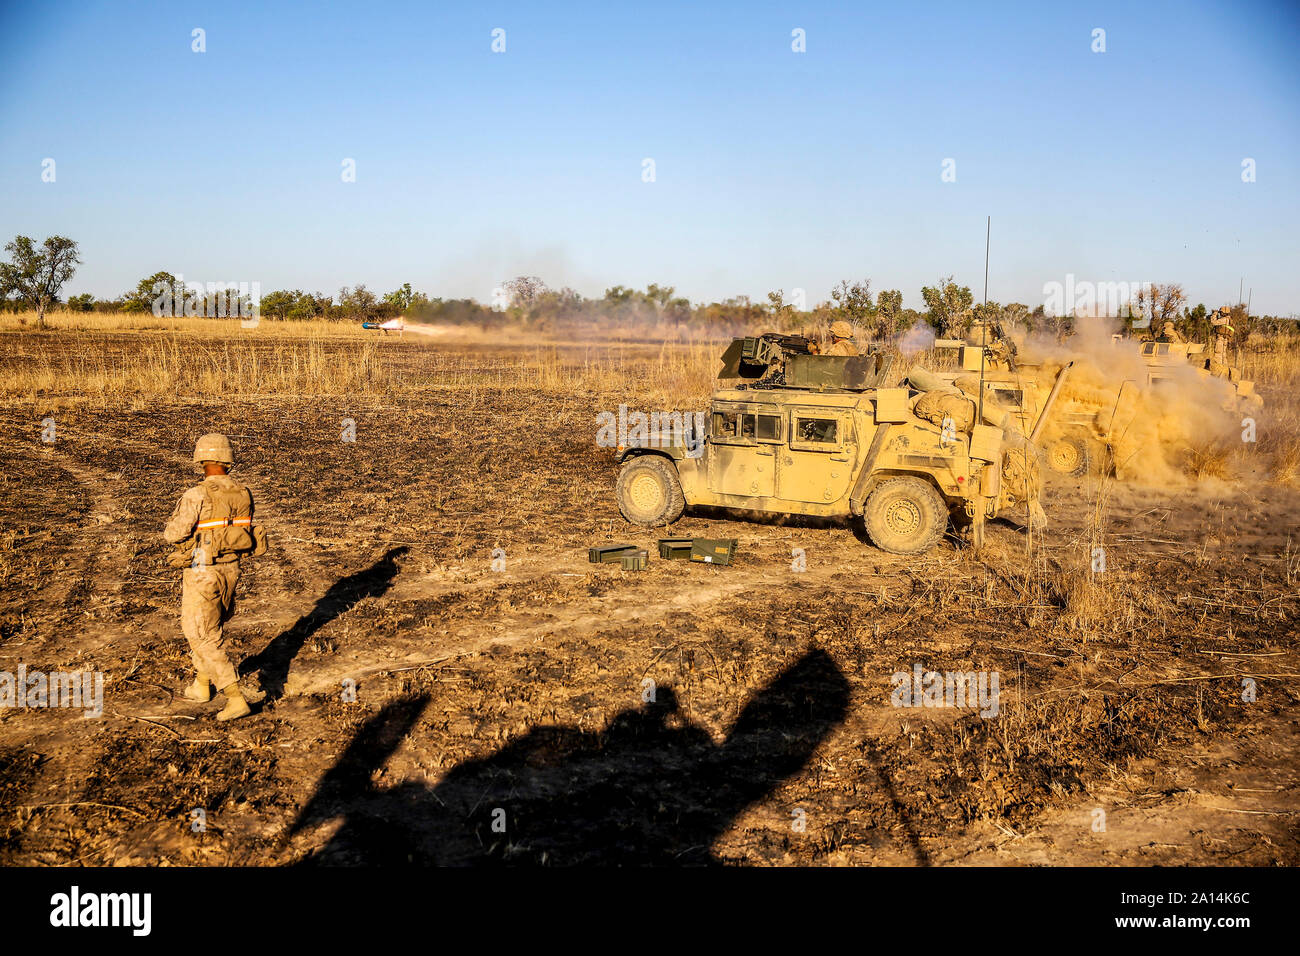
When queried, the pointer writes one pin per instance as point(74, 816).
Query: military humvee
point(1162, 358)
point(818, 436)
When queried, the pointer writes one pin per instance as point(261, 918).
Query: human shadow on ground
point(273, 660)
point(651, 788)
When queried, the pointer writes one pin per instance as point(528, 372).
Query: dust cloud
point(1157, 431)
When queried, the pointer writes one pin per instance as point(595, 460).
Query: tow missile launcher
point(1068, 433)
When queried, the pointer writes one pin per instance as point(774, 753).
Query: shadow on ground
point(273, 660)
point(651, 788)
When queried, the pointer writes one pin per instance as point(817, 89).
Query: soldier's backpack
point(225, 527)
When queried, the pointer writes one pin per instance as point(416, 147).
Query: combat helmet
point(214, 447)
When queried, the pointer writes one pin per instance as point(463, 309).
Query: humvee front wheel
point(905, 516)
point(649, 492)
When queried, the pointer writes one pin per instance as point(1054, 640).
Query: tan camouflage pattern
point(207, 603)
point(197, 505)
point(208, 590)
point(1169, 334)
point(214, 447)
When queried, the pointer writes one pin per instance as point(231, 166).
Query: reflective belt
point(223, 522)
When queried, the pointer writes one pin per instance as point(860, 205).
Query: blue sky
point(774, 169)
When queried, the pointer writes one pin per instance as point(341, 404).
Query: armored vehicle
point(1164, 359)
point(792, 433)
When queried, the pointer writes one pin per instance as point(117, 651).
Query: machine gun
point(773, 360)
point(754, 356)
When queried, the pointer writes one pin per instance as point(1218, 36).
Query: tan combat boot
point(200, 691)
point(236, 706)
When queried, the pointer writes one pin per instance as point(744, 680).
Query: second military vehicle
point(1067, 431)
point(818, 435)
point(1166, 360)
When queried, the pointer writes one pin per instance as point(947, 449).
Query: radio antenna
point(984, 334)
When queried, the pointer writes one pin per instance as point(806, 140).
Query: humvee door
point(817, 461)
point(743, 442)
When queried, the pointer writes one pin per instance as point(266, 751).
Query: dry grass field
point(518, 694)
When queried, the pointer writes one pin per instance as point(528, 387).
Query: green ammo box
point(634, 560)
point(609, 554)
point(670, 548)
point(713, 551)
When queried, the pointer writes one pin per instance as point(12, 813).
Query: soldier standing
point(841, 339)
point(1222, 335)
point(212, 526)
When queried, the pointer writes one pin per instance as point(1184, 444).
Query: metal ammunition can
point(713, 550)
point(608, 554)
point(670, 548)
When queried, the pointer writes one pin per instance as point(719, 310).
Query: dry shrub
point(1271, 360)
point(1090, 602)
point(1286, 460)
point(79, 322)
point(1209, 459)
point(1279, 440)
point(104, 372)
point(1043, 747)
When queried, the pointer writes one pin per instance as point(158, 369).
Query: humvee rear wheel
point(649, 492)
point(1068, 455)
point(905, 516)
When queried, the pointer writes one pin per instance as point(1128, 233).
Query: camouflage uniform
point(1222, 335)
point(842, 339)
point(207, 590)
point(1169, 334)
point(212, 526)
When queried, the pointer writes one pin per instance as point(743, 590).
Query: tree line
point(34, 278)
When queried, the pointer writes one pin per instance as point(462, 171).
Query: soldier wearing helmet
point(212, 527)
point(1222, 335)
point(1168, 333)
point(841, 339)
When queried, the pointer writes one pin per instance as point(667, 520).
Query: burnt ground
point(523, 696)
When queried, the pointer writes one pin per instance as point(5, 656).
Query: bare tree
point(525, 290)
point(36, 275)
point(1161, 303)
